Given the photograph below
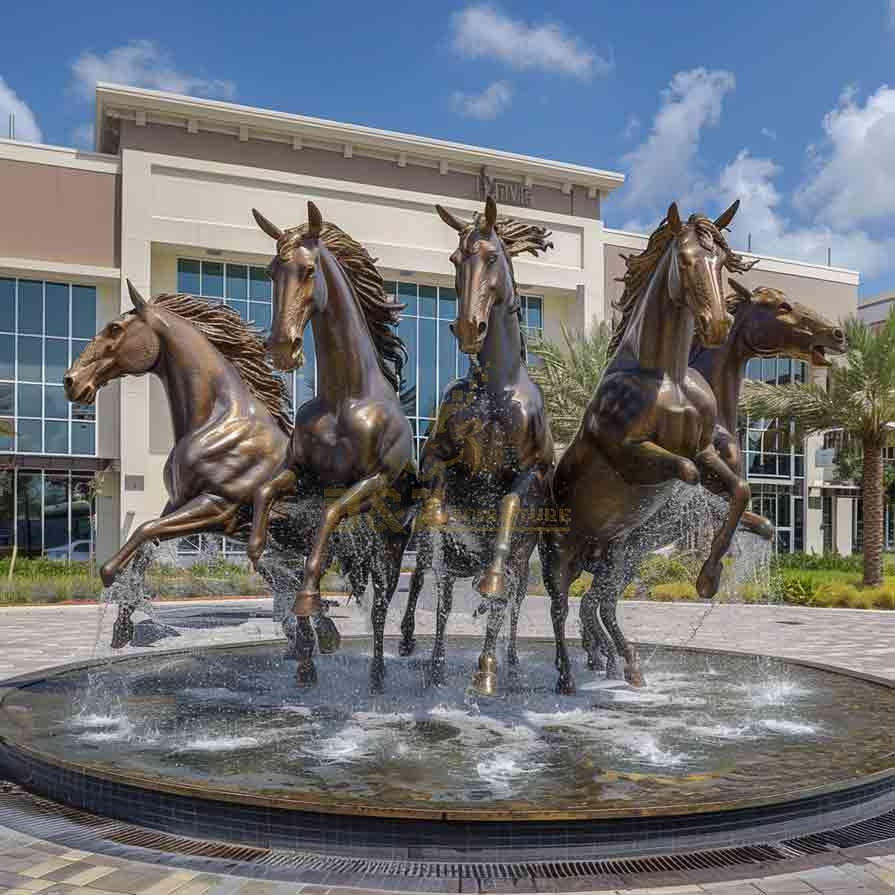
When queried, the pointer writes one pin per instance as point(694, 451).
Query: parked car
point(76, 550)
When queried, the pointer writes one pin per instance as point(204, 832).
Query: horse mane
point(240, 344)
point(379, 310)
point(640, 268)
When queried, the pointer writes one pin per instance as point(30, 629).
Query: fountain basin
point(219, 742)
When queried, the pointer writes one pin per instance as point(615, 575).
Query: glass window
point(83, 411)
point(407, 296)
point(428, 377)
point(237, 282)
point(260, 285)
point(82, 512)
point(30, 399)
point(213, 279)
point(55, 437)
point(83, 312)
point(83, 438)
point(29, 436)
point(188, 276)
point(31, 306)
point(57, 309)
point(447, 357)
point(56, 508)
point(428, 301)
point(7, 398)
point(55, 402)
point(30, 504)
point(407, 332)
point(7, 509)
point(77, 348)
point(7, 442)
point(31, 358)
point(260, 315)
point(7, 357)
point(56, 359)
point(7, 305)
point(534, 318)
point(241, 308)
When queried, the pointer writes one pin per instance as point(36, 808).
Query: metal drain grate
point(45, 819)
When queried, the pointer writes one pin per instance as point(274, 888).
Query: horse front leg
point(353, 500)
point(558, 577)
point(386, 572)
point(444, 586)
point(738, 492)
point(262, 504)
point(515, 609)
point(408, 622)
point(594, 638)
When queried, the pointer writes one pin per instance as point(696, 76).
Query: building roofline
point(67, 156)
point(247, 121)
point(877, 300)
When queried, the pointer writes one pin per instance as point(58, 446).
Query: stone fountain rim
point(846, 791)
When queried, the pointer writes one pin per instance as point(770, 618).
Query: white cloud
point(854, 180)
point(485, 105)
point(83, 136)
point(632, 127)
point(772, 134)
point(662, 167)
point(751, 180)
point(26, 124)
point(483, 31)
point(141, 63)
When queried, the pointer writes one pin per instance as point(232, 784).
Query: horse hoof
point(565, 686)
point(492, 584)
point(407, 647)
point(121, 639)
point(708, 581)
point(307, 604)
point(328, 637)
point(634, 677)
point(306, 676)
point(485, 683)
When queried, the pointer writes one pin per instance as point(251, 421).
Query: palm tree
point(569, 374)
point(860, 400)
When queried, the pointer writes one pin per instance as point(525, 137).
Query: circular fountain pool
point(711, 732)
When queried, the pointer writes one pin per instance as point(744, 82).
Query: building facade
point(166, 201)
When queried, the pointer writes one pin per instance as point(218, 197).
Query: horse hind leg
point(407, 646)
point(444, 586)
point(594, 638)
point(557, 580)
point(609, 617)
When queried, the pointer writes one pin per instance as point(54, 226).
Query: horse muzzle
point(288, 354)
point(79, 392)
point(470, 335)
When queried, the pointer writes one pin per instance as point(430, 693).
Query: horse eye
point(785, 308)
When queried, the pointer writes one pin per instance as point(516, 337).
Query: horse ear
point(674, 218)
point(137, 300)
point(270, 229)
point(490, 214)
point(450, 220)
point(722, 222)
point(741, 296)
point(315, 220)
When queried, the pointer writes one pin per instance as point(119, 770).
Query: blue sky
point(784, 104)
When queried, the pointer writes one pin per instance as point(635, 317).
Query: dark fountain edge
point(474, 834)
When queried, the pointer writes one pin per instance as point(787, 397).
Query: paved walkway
point(32, 638)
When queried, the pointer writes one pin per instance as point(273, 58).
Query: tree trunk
point(873, 512)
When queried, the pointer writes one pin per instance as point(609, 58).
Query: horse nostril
point(68, 382)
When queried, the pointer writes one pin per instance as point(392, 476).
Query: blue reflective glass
point(29, 502)
point(407, 296)
point(56, 505)
point(30, 399)
point(7, 304)
point(427, 360)
point(55, 437)
point(29, 436)
point(83, 411)
point(7, 443)
point(307, 374)
point(83, 438)
point(753, 369)
point(428, 301)
point(77, 348)
point(447, 303)
point(7, 357)
point(260, 315)
point(213, 279)
point(55, 402)
point(241, 308)
point(188, 276)
point(55, 359)
point(83, 312)
point(31, 358)
point(389, 286)
point(534, 317)
point(7, 399)
point(31, 306)
point(237, 282)
point(56, 303)
point(259, 284)
point(447, 357)
point(407, 332)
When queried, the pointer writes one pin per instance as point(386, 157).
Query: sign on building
point(504, 192)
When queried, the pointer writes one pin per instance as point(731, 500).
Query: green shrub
point(581, 585)
point(659, 569)
point(674, 590)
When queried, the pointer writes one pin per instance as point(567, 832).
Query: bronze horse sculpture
point(765, 324)
point(350, 455)
point(229, 413)
point(490, 456)
point(651, 421)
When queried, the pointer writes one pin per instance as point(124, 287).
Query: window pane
point(213, 279)
point(389, 286)
point(29, 525)
point(259, 284)
point(31, 306)
point(55, 437)
point(56, 515)
point(7, 507)
point(241, 308)
point(30, 399)
point(237, 282)
point(7, 357)
point(407, 296)
point(55, 402)
point(407, 332)
point(7, 443)
point(306, 377)
point(29, 436)
point(77, 347)
point(753, 369)
point(447, 356)
point(428, 381)
point(188, 276)
point(56, 359)
point(534, 317)
point(83, 440)
point(447, 303)
point(30, 358)
point(7, 305)
point(82, 513)
point(428, 301)
point(57, 309)
point(260, 314)
point(83, 411)
point(83, 312)
point(769, 369)
point(7, 398)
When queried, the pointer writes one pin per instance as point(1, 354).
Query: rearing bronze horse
point(650, 422)
point(351, 448)
point(490, 456)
